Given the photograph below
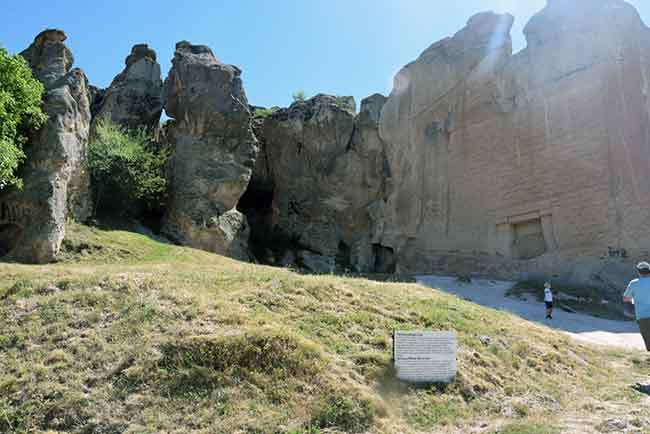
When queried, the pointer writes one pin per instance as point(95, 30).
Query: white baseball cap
point(643, 266)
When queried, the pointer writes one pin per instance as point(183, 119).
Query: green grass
point(130, 335)
point(528, 428)
point(93, 245)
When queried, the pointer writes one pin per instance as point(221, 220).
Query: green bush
point(265, 112)
point(346, 102)
point(127, 171)
point(263, 358)
point(528, 428)
point(20, 110)
point(299, 96)
point(281, 354)
point(23, 286)
point(348, 413)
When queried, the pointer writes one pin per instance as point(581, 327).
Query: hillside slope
point(129, 335)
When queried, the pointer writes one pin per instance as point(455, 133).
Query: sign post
point(425, 356)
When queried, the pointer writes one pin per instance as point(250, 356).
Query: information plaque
point(425, 357)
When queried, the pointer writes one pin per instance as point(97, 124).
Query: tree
point(261, 112)
point(21, 96)
point(299, 96)
point(127, 171)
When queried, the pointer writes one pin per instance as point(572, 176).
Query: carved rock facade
point(528, 165)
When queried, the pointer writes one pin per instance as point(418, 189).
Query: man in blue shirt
point(638, 292)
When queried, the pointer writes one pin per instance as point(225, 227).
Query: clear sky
point(343, 47)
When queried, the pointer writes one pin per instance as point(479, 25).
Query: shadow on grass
point(147, 227)
point(379, 277)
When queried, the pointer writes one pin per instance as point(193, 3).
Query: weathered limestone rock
point(214, 152)
point(321, 174)
point(48, 56)
point(422, 117)
point(96, 98)
point(134, 98)
point(257, 204)
point(32, 220)
point(530, 165)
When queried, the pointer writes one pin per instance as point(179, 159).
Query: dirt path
point(586, 328)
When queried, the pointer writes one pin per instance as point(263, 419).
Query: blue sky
point(344, 47)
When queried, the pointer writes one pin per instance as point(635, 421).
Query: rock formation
point(321, 170)
point(480, 161)
point(214, 152)
point(32, 220)
point(134, 98)
point(530, 165)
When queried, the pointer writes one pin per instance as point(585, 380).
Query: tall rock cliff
point(530, 165)
point(32, 220)
point(322, 172)
point(134, 98)
point(214, 152)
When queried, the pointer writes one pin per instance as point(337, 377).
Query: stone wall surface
point(524, 165)
point(134, 98)
point(214, 152)
point(32, 220)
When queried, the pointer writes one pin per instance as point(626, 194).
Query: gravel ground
point(582, 327)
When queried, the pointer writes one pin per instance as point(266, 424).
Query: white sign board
point(425, 357)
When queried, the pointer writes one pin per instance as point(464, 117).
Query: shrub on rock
point(20, 110)
point(127, 171)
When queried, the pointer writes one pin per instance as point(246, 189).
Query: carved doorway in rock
point(529, 239)
point(10, 235)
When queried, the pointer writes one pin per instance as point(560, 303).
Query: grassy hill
point(129, 335)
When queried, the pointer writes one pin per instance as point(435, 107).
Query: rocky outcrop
point(521, 166)
point(32, 220)
point(524, 166)
point(49, 57)
point(134, 98)
point(321, 174)
point(214, 152)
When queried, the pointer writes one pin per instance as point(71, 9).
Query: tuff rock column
point(32, 220)
point(214, 152)
point(134, 99)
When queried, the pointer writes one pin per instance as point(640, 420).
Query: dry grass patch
point(170, 339)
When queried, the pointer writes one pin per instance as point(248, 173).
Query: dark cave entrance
point(10, 235)
point(385, 260)
point(257, 205)
point(344, 257)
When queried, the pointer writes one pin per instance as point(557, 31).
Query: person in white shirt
point(638, 292)
point(548, 300)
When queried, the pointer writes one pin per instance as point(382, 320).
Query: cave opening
point(343, 258)
point(257, 205)
point(385, 261)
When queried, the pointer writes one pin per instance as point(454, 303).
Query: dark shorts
point(549, 304)
point(644, 326)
